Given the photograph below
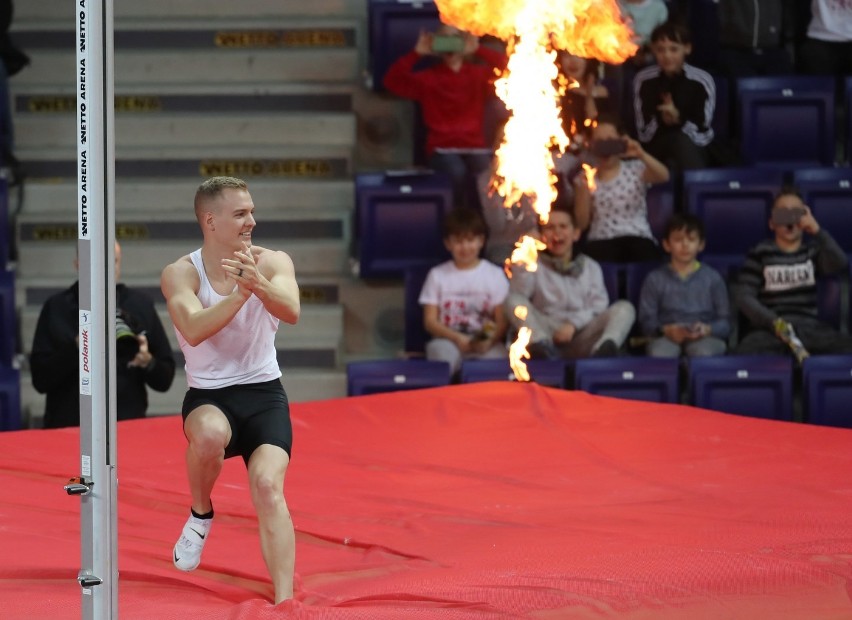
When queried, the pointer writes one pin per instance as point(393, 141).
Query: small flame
point(521, 312)
point(590, 176)
point(518, 353)
point(525, 253)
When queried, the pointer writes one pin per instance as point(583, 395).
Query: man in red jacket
point(452, 95)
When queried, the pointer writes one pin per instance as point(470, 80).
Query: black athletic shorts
point(258, 413)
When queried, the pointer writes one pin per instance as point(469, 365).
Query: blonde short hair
point(212, 188)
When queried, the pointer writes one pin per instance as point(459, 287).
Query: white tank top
point(241, 352)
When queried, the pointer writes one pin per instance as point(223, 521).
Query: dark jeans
point(622, 250)
point(819, 338)
point(825, 57)
point(745, 62)
point(677, 151)
point(462, 168)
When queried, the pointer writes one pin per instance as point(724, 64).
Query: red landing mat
point(486, 501)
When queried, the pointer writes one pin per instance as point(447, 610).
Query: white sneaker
point(187, 552)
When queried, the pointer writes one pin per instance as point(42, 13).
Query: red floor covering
point(486, 501)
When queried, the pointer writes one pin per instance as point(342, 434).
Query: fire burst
point(533, 29)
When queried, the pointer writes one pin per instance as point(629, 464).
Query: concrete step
point(201, 52)
point(300, 161)
point(208, 129)
point(316, 290)
point(54, 258)
point(48, 11)
point(322, 322)
point(301, 385)
point(150, 197)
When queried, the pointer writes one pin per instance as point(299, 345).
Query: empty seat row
point(756, 386)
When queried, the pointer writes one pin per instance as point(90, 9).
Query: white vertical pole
point(98, 575)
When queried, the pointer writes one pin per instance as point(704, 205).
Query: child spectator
point(615, 212)
point(674, 102)
point(463, 298)
point(565, 302)
point(777, 285)
point(581, 105)
point(683, 305)
point(452, 94)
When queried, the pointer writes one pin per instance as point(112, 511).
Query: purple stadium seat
point(393, 30)
point(661, 206)
point(399, 222)
point(787, 122)
point(416, 335)
point(375, 376)
point(753, 385)
point(828, 192)
point(550, 373)
point(10, 399)
point(652, 379)
point(827, 389)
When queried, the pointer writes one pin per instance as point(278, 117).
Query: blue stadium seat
point(613, 275)
point(4, 223)
point(416, 335)
point(827, 389)
point(735, 205)
point(847, 89)
point(753, 385)
point(787, 122)
point(375, 376)
point(830, 304)
point(393, 29)
point(8, 318)
point(828, 192)
point(639, 378)
point(10, 399)
point(399, 222)
point(661, 206)
point(550, 373)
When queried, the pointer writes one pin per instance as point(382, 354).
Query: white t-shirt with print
point(465, 298)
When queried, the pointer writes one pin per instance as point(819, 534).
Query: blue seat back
point(734, 204)
point(787, 121)
point(550, 373)
point(376, 376)
point(752, 385)
point(827, 390)
point(416, 335)
point(399, 222)
point(8, 318)
point(661, 205)
point(10, 399)
point(637, 378)
point(393, 28)
point(828, 192)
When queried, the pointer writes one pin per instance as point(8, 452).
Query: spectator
point(777, 287)
point(683, 305)
point(452, 94)
point(827, 48)
point(463, 298)
point(674, 102)
point(54, 361)
point(507, 225)
point(615, 211)
point(588, 98)
point(753, 37)
point(565, 302)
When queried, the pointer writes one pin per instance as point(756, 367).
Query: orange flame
point(588, 28)
point(534, 29)
point(518, 353)
point(590, 176)
point(525, 253)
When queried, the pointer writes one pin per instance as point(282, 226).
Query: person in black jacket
point(54, 359)
point(674, 102)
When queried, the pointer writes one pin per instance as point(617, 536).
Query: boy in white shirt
point(463, 298)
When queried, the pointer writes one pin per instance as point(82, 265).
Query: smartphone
point(607, 147)
point(787, 217)
point(443, 43)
